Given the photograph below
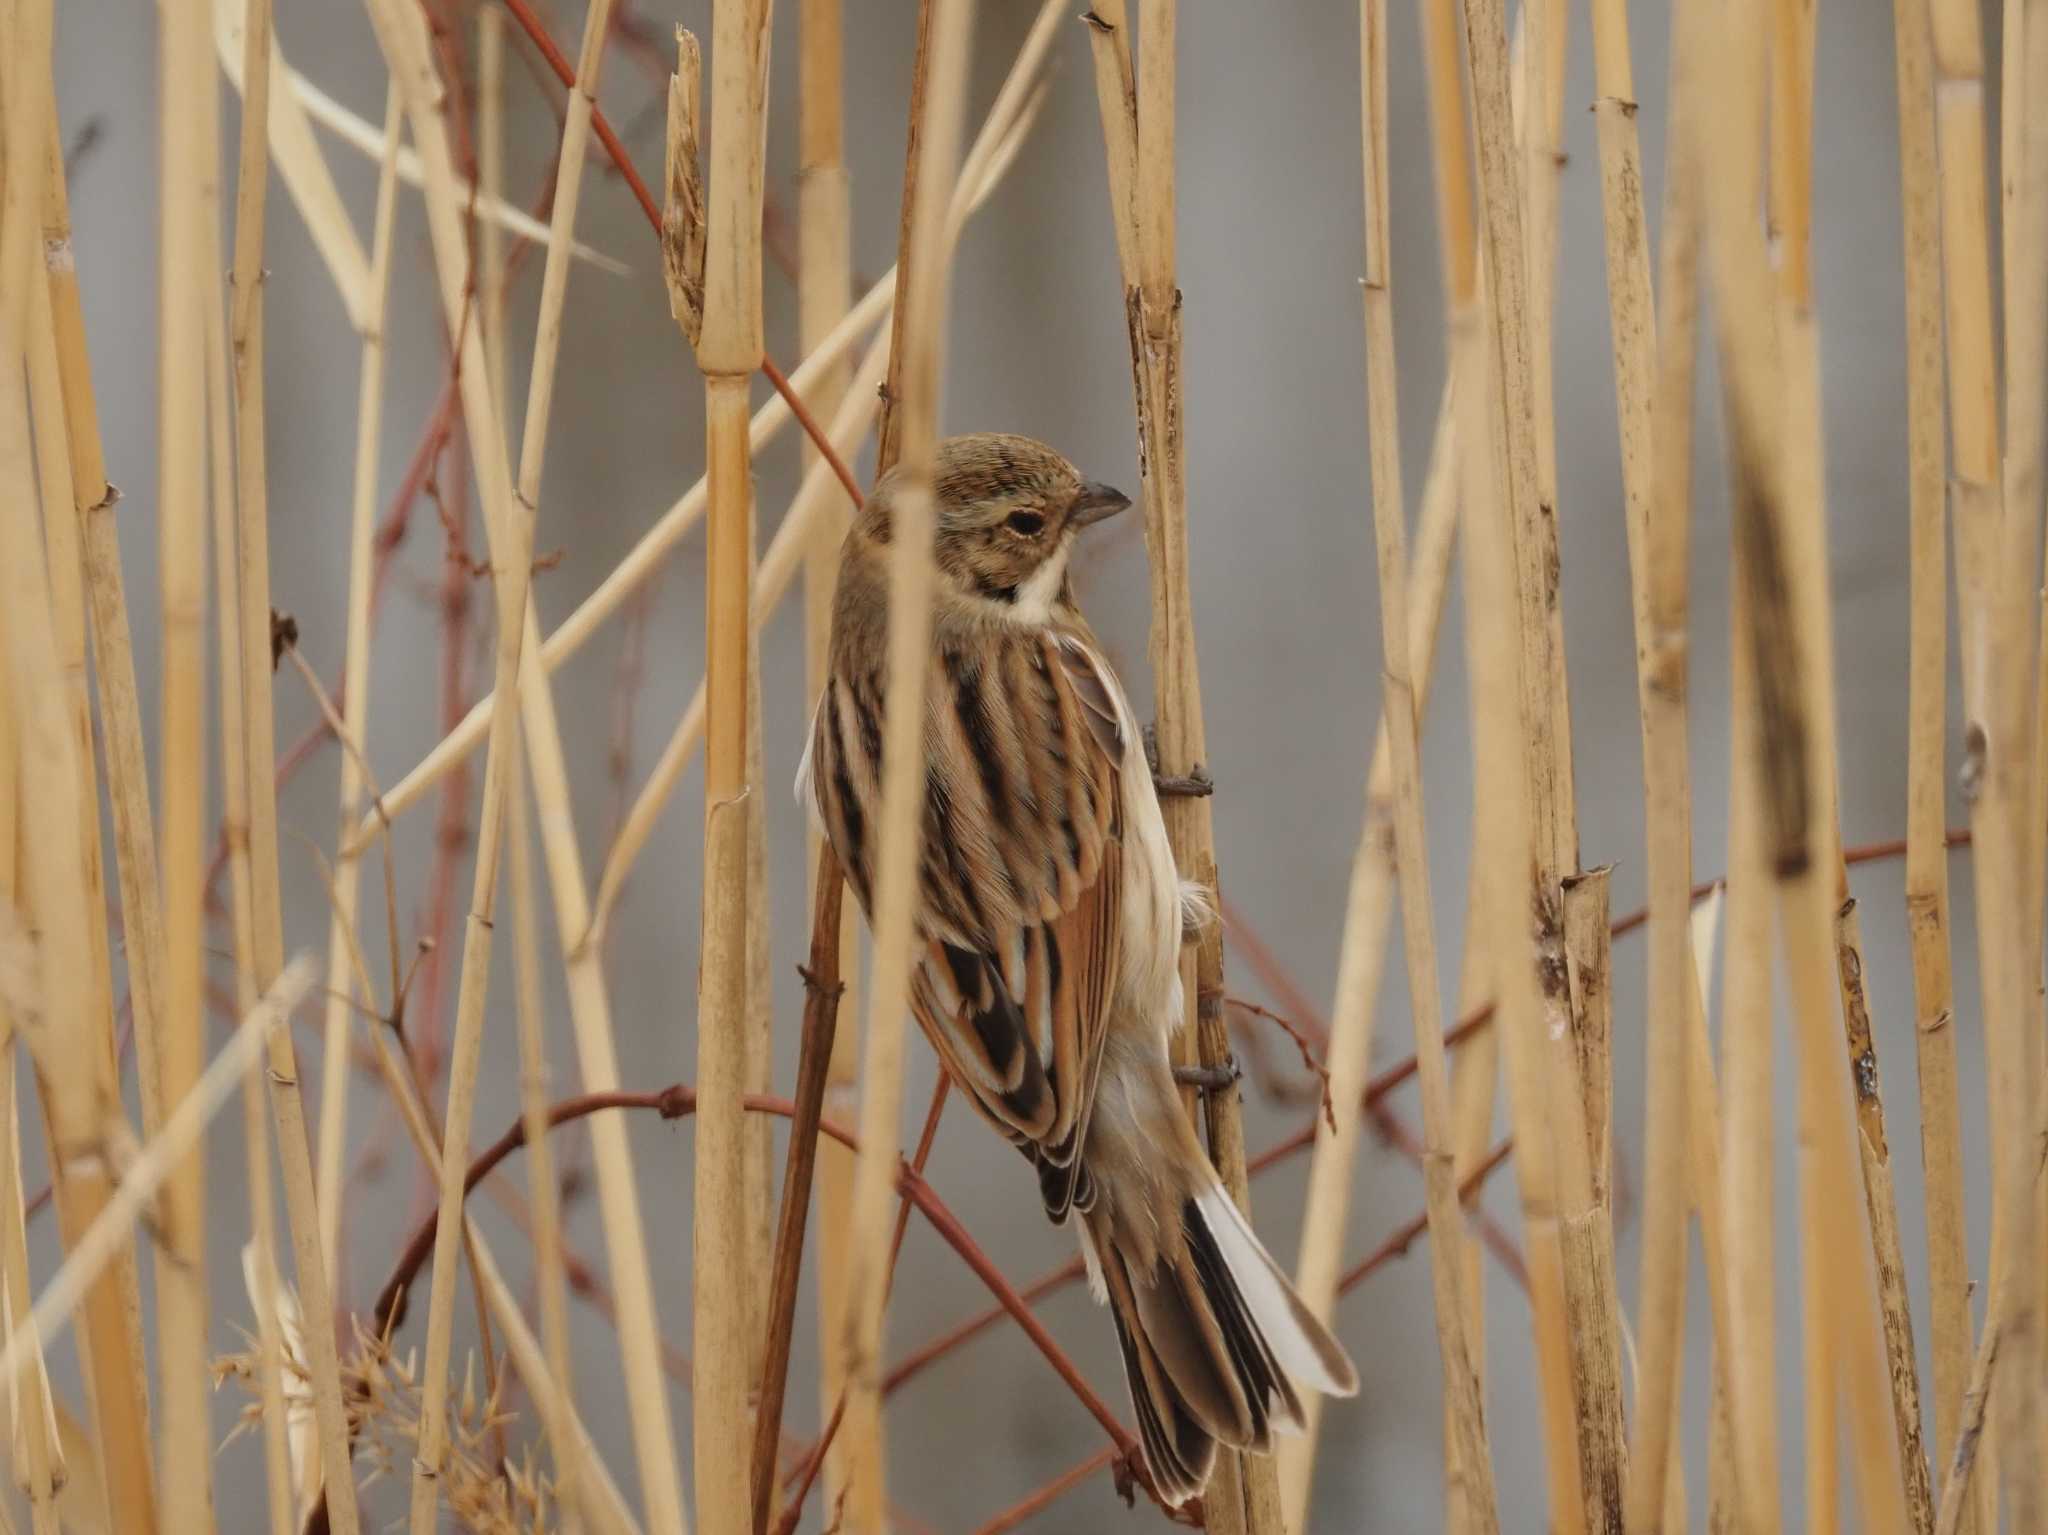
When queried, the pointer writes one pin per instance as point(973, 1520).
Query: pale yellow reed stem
point(335, 1071)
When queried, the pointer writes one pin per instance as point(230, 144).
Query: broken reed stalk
point(401, 32)
point(335, 1074)
point(510, 519)
point(1658, 535)
point(1584, 1214)
point(1400, 712)
point(915, 371)
point(1887, 1248)
point(729, 351)
point(824, 290)
point(1934, 1033)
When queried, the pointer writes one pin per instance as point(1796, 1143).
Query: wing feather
point(1021, 875)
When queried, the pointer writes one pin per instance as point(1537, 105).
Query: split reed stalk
point(69, 1031)
point(1934, 1032)
point(335, 1072)
point(824, 290)
point(401, 32)
point(912, 413)
point(1475, 1082)
point(729, 352)
point(1658, 538)
point(1411, 856)
point(70, 388)
point(1488, 430)
point(257, 750)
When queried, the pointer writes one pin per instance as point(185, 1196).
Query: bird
point(1049, 923)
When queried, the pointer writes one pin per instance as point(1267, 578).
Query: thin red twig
point(566, 73)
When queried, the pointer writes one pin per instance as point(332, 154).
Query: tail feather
point(1217, 1346)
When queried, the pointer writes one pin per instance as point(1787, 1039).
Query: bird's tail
point(1217, 1346)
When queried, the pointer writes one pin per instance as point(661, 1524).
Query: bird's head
point(1006, 510)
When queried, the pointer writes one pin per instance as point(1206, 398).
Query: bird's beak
point(1094, 502)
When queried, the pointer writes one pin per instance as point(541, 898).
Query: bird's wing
point(1022, 884)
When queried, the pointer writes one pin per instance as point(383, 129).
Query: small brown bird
point(1049, 927)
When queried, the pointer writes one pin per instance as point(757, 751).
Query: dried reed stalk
point(1960, 105)
point(1658, 536)
point(256, 749)
point(260, 1258)
point(32, 1438)
point(1887, 1248)
point(2002, 740)
point(543, 1194)
point(1485, 430)
point(915, 367)
point(335, 1072)
point(190, 263)
point(824, 290)
point(301, 166)
point(62, 532)
point(68, 389)
point(1934, 1033)
point(729, 351)
point(1411, 855)
point(1584, 1212)
point(1781, 556)
point(1139, 135)
point(70, 1043)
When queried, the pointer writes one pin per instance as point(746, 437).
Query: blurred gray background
point(1284, 592)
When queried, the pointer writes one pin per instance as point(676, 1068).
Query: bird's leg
point(1194, 784)
point(1210, 1079)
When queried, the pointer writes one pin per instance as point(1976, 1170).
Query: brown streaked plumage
point(1050, 917)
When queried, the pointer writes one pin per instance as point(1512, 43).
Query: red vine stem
point(566, 73)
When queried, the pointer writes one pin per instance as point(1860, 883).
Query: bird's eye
point(1029, 524)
